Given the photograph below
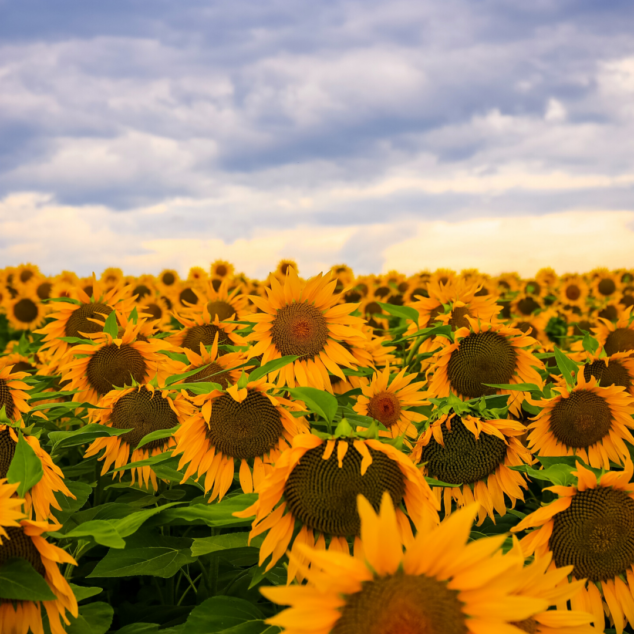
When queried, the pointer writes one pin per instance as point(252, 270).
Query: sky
point(146, 134)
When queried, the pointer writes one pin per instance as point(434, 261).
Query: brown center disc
point(614, 373)
point(213, 373)
point(606, 287)
point(464, 459)
point(25, 310)
point(595, 534)
point(7, 451)
point(143, 412)
point(324, 497)
point(609, 312)
point(44, 290)
point(205, 334)
point(141, 290)
point(581, 419)
point(483, 357)
point(113, 366)
point(154, 310)
point(299, 329)
point(17, 544)
point(187, 296)
point(224, 310)
point(168, 278)
point(372, 308)
point(573, 292)
point(221, 270)
point(527, 305)
point(385, 407)
point(244, 430)
point(6, 399)
point(78, 322)
point(527, 625)
point(402, 604)
point(621, 340)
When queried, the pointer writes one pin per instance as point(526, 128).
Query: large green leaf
point(94, 618)
point(25, 468)
point(557, 474)
point(162, 562)
point(80, 490)
point(321, 403)
point(404, 312)
point(229, 541)
point(223, 614)
point(567, 367)
point(100, 531)
point(83, 435)
point(159, 434)
point(272, 366)
point(82, 593)
point(215, 514)
point(19, 581)
point(111, 326)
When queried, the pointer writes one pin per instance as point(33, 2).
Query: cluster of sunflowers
point(385, 454)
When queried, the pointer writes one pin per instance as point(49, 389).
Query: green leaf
point(80, 490)
point(321, 403)
point(100, 531)
point(217, 514)
point(134, 315)
point(79, 340)
point(200, 388)
point(272, 366)
point(66, 300)
point(175, 378)
point(438, 483)
point(522, 387)
point(83, 435)
point(94, 618)
point(161, 562)
point(82, 593)
point(111, 326)
point(159, 434)
point(222, 614)
point(148, 462)
point(25, 467)
point(207, 545)
point(404, 312)
point(560, 474)
point(572, 461)
point(590, 344)
point(130, 524)
point(19, 581)
point(567, 367)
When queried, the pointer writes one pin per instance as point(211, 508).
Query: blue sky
point(162, 133)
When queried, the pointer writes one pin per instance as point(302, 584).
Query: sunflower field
point(438, 453)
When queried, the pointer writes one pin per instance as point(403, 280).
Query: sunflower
point(197, 275)
point(73, 320)
point(573, 291)
point(476, 454)
point(222, 269)
point(605, 284)
point(525, 304)
point(590, 527)
point(10, 507)
point(316, 483)
point(388, 399)
point(187, 295)
point(168, 279)
point(535, 325)
point(143, 288)
point(142, 410)
point(617, 337)
point(18, 362)
point(617, 369)
point(12, 395)
point(486, 353)
point(460, 296)
point(156, 310)
point(547, 278)
point(106, 363)
point(282, 267)
point(300, 318)
point(221, 302)
point(25, 274)
point(42, 495)
point(246, 424)
point(442, 276)
point(62, 288)
point(507, 282)
point(25, 311)
point(439, 584)
point(201, 328)
point(540, 579)
point(214, 368)
point(22, 538)
point(588, 421)
point(43, 287)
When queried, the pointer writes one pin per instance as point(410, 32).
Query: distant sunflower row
point(374, 417)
